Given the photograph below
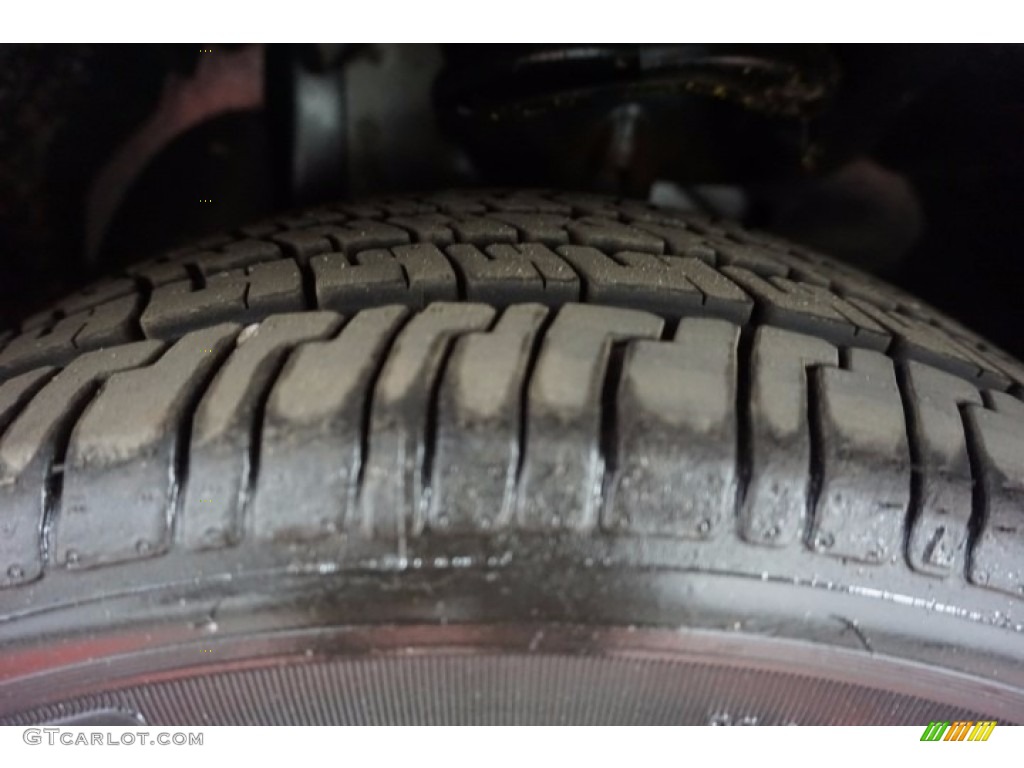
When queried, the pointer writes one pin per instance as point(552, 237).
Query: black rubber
point(449, 383)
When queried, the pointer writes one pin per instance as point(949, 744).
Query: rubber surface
point(494, 678)
point(498, 366)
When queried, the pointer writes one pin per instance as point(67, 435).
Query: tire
point(507, 457)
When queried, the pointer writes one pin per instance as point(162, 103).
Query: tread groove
point(182, 441)
point(817, 455)
point(608, 437)
point(308, 285)
point(10, 416)
point(524, 395)
point(744, 429)
point(979, 500)
point(53, 483)
point(914, 509)
point(145, 289)
point(421, 515)
point(195, 274)
point(644, 272)
point(367, 414)
point(251, 465)
point(961, 352)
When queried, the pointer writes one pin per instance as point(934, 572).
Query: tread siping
point(463, 419)
point(500, 248)
point(450, 384)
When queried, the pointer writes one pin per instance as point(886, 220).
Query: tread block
point(920, 340)
point(680, 241)
point(455, 203)
point(721, 296)
point(546, 229)
point(413, 275)
point(824, 287)
point(97, 293)
point(866, 475)
point(589, 204)
point(997, 436)
point(811, 308)
point(82, 300)
point(31, 444)
point(430, 274)
point(391, 499)
point(631, 279)
point(244, 295)
point(106, 324)
point(529, 448)
point(632, 211)
point(374, 277)
point(612, 236)
point(509, 274)
point(525, 202)
point(366, 234)
point(427, 228)
point(1009, 367)
point(43, 319)
point(637, 280)
point(672, 398)
point(563, 469)
point(160, 271)
point(272, 287)
point(477, 450)
point(122, 455)
point(801, 271)
point(668, 285)
point(481, 230)
point(1001, 402)
point(774, 508)
point(497, 281)
point(759, 237)
point(14, 394)
point(939, 530)
point(327, 215)
point(311, 443)
point(220, 463)
point(561, 283)
point(637, 212)
point(403, 206)
point(17, 391)
point(235, 256)
point(304, 244)
point(729, 253)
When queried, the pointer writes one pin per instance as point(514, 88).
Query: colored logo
point(961, 730)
